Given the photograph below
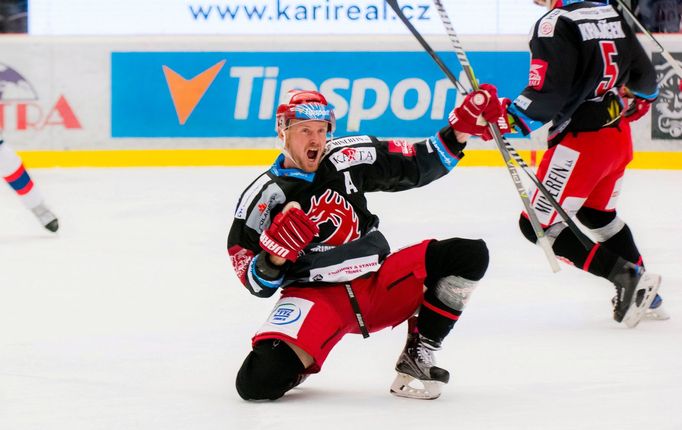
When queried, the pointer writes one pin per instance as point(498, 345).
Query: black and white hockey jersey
point(349, 244)
point(580, 55)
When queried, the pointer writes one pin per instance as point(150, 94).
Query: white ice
point(131, 317)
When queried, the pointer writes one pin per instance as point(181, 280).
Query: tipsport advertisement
point(236, 94)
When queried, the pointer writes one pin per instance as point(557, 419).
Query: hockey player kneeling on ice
point(590, 78)
point(303, 227)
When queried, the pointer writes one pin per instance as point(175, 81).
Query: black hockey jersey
point(580, 55)
point(349, 244)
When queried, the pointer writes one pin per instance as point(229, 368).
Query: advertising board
point(235, 94)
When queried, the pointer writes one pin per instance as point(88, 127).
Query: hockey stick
point(508, 148)
point(668, 57)
point(586, 242)
point(520, 189)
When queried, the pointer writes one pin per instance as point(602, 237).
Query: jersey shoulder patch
point(346, 157)
point(547, 23)
point(401, 146)
point(348, 141)
point(258, 217)
point(250, 194)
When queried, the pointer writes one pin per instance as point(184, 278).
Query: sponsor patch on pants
point(556, 179)
point(287, 317)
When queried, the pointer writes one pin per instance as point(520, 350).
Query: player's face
point(305, 141)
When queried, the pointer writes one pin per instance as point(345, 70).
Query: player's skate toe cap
point(53, 225)
point(438, 374)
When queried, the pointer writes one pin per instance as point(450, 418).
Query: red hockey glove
point(507, 122)
point(289, 233)
point(476, 110)
point(637, 108)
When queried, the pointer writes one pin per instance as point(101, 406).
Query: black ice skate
point(416, 364)
point(635, 290)
point(46, 218)
point(655, 312)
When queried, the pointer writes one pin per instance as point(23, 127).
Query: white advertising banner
point(277, 17)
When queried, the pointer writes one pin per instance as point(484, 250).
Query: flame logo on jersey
point(536, 75)
point(332, 211)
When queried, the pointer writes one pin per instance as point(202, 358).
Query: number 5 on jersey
point(609, 52)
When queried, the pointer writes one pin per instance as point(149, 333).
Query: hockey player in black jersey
point(589, 77)
point(304, 227)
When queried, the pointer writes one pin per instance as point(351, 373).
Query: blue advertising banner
point(235, 94)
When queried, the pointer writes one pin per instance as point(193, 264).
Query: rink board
point(205, 100)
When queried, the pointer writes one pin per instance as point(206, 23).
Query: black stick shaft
point(516, 179)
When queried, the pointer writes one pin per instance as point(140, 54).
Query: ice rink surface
point(131, 317)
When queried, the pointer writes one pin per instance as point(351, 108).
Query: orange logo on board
point(186, 93)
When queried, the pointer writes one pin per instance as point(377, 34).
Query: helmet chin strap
point(282, 145)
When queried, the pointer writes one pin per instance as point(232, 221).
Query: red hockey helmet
point(305, 105)
point(551, 4)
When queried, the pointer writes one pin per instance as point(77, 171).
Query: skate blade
point(658, 314)
point(401, 387)
point(634, 315)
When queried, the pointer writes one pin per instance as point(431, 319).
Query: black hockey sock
point(462, 262)
point(598, 260)
point(623, 244)
point(435, 318)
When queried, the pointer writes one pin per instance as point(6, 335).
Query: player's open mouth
point(312, 154)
